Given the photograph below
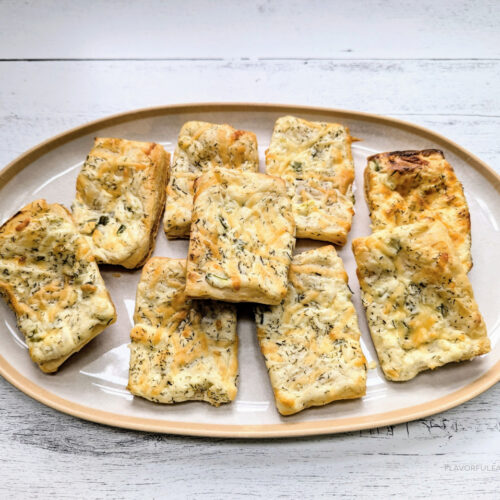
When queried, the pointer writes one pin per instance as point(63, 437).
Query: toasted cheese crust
point(120, 195)
point(419, 302)
point(310, 341)
point(315, 160)
point(242, 238)
point(403, 187)
point(181, 349)
point(50, 279)
point(202, 146)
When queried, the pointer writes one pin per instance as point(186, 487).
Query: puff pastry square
point(403, 187)
point(181, 349)
point(316, 161)
point(120, 195)
point(419, 302)
point(242, 238)
point(51, 281)
point(310, 341)
point(202, 146)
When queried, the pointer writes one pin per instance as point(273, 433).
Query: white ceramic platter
point(91, 385)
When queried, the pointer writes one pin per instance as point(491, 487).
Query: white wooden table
point(436, 63)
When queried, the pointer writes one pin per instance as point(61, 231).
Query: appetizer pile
point(242, 226)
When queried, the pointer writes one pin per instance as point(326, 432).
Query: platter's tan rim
point(487, 380)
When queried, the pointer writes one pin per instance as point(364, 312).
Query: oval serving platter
point(91, 384)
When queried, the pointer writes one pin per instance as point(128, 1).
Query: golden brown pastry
point(202, 146)
point(120, 195)
point(315, 160)
point(242, 237)
point(419, 302)
point(310, 341)
point(181, 349)
point(50, 279)
point(403, 187)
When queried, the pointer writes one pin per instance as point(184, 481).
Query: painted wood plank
point(41, 99)
point(237, 28)
point(409, 87)
point(51, 455)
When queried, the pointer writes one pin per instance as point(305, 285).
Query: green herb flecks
point(443, 310)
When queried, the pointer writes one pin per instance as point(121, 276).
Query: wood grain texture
point(96, 461)
point(46, 454)
point(40, 99)
point(196, 29)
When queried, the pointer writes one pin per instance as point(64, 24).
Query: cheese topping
point(201, 147)
point(419, 302)
point(403, 187)
point(120, 194)
point(181, 349)
point(50, 279)
point(242, 237)
point(315, 160)
point(311, 340)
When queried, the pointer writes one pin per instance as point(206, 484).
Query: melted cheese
point(202, 146)
point(181, 350)
point(50, 279)
point(315, 160)
point(242, 237)
point(120, 193)
point(310, 341)
point(419, 302)
point(403, 187)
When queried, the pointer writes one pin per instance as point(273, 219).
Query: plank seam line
point(110, 59)
point(244, 59)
